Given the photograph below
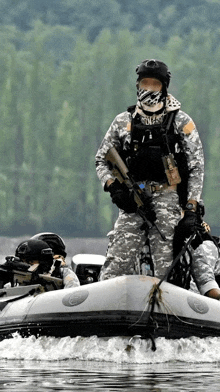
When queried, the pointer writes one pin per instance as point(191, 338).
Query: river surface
point(95, 364)
point(115, 364)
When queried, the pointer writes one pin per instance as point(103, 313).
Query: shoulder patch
point(188, 128)
point(129, 127)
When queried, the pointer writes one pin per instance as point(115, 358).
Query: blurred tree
point(59, 93)
point(160, 19)
point(12, 140)
point(91, 17)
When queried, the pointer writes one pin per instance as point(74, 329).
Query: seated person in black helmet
point(31, 264)
point(59, 269)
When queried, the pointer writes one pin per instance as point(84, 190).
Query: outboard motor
point(87, 267)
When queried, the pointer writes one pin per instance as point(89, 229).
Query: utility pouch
point(171, 169)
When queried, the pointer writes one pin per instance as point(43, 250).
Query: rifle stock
point(121, 172)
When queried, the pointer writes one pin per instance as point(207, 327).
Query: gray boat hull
point(116, 307)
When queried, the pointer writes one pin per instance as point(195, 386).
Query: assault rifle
point(16, 271)
point(121, 172)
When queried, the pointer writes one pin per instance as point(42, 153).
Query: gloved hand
point(188, 225)
point(122, 197)
point(150, 214)
point(184, 229)
point(202, 235)
point(148, 206)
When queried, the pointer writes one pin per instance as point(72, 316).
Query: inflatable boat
point(122, 306)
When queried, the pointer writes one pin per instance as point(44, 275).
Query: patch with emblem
point(188, 128)
point(75, 298)
point(198, 305)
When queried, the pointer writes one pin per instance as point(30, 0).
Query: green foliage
point(67, 69)
point(161, 19)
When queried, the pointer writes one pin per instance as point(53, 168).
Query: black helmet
point(34, 250)
point(154, 69)
point(54, 241)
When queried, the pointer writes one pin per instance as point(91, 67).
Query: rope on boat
point(155, 296)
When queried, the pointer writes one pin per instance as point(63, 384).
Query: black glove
point(188, 225)
point(184, 229)
point(122, 197)
point(56, 272)
point(203, 235)
point(148, 206)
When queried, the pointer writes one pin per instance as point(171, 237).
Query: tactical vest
point(149, 143)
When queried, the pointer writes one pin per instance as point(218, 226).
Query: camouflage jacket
point(205, 267)
point(119, 133)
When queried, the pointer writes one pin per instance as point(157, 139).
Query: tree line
point(161, 19)
point(55, 110)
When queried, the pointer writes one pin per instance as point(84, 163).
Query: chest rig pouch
point(155, 153)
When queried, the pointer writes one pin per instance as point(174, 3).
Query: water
point(96, 364)
point(115, 364)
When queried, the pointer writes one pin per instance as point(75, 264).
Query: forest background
point(67, 69)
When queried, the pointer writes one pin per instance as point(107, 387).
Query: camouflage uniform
point(66, 273)
point(70, 279)
point(205, 265)
point(127, 239)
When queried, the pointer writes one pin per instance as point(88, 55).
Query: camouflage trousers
point(205, 265)
point(127, 239)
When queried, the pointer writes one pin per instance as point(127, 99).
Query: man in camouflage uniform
point(146, 122)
